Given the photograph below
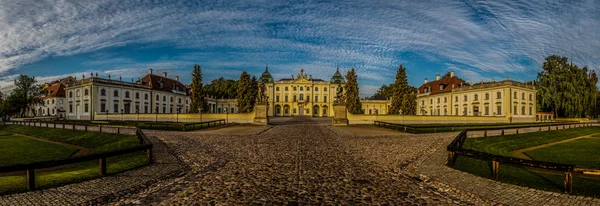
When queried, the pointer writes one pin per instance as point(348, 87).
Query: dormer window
point(441, 87)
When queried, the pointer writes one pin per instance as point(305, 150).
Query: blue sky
point(479, 40)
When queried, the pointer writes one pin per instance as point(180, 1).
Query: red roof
point(162, 84)
point(56, 90)
point(447, 82)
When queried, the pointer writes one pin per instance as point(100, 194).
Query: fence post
point(452, 129)
point(540, 129)
point(484, 133)
point(54, 125)
point(548, 128)
point(31, 179)
point(86, 127)
point(99, 128)
point(73, 126)
point(46, 124)
point(435, 130)
point(502, 133)
point(517, 131)
point(556, 127)
point(568, 182)
point(149, 156)
point(118, 132)
point(103, 166)
point(63, 126)
point(496, 169)
point(451, 158)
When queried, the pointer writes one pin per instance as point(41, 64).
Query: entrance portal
point(301, 112)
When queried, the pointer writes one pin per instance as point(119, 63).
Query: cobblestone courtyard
point(296, 161)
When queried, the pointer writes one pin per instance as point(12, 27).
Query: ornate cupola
point(266, 76)
point(337, 77)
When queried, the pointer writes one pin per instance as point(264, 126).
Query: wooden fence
point(145, 145)
point(455, 148)
point(473, 127)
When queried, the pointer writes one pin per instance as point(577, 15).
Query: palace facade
point(451, 96)
point(150, 94)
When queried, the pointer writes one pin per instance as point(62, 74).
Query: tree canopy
point(352, 96)
point(244, 93)
point(222, 88)
point(198, 98)
point(25, 96)
point(403, 95)
point(566, 89)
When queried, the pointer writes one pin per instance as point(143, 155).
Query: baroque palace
point(451, 96)
point(303, 95)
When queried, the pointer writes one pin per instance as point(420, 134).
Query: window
point(487, 96)
point(77, 93)
point(456, 100)
point(430, 101)
point(515, 109)
point(522, 95)
point(487, 110)
point(116, 93)
point(164, 98)
point(465, 98)
point(422, 102)
point(456, 111)
point(530, 97)
point(307, 89)
point(102, 107)
point(465, 112)
point(530, 111)
point(276, 88)
point(316, 89)
point(146, 96)
point(116, 108)
point(145, 108)
point(294, 98)
point(70, 108)
point(301, 96)
point(103, 92)
point(137, 108)
point(316, 98)
point(308, 98)
point(523, 110)
point(70, 94)
point(324, 89)
point(441, 87)
point(164, 109)
point(294, 110)
point(127, 94)
point(286, 98)
point(137, 95)
point(498, 95)
point(301, 88)
point(475, 97)
point(324, 98)
point(277, 98)
point(179, 100)
point(515, 95)
point(86, 107)
point(445, 99)
point(52, 101)
point(438, 100)
point(86, 92)
point(171, 99)
point(294, 88)
point(157, 98)
point(286, 89)
point(499, 109)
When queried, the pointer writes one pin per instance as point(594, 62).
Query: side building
point(452, 96)
point(150, 94)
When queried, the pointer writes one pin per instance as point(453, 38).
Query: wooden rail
point(214, 122)
point(455, 148)
point(483, 127)
point(145, 145)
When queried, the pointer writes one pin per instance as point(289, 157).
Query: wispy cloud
point(487, 38)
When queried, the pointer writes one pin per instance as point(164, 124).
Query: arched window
point(523, 96)
point(145, 96)
point(157, 98)
point(301, 88)
point(465, 98)
point(116, 93)
point(127, 94)
point(515, 95)
point(324, 89)
point(286, 89)
point(137, 95)
point(77, 93)
point(171, 99)
point(164, 98)
point(487, 96)
point(70, 94)
point(475, 97)
point(276, 88)
point(103, 92)
point(498, 95)
point(530, 97)
point(86, 92)
point(316, 89)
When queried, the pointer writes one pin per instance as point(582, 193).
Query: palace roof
point(161, 83)
point(56, 90)
point(447, 82)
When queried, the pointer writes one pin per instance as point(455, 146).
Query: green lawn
point(502, 145)
point(100, 142)
point(18, 149)
point(581, 152)
point(585, 153)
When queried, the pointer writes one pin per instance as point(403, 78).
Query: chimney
point(176, 78)
point(165, 74)
point(437, 77)
point(150, 71)
point(451, 74)
point(425, 81)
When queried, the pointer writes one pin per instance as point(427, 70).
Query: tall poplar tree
point(198, 99)
point(244, 95)
point(403, 95)
point(352, 98)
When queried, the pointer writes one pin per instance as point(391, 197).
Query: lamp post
point(156, 118)
point(121, 115)
point(226, 116)
point(376, 115)
point(138, 114)
point(200, 111)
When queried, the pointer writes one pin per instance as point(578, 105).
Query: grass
point(18, 149)
point(518, 175)
point(100, 142)
point(575, 153)
point(581, 152)
point(502, 145)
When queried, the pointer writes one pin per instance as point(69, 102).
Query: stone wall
point(231, 118)
point(422, 119)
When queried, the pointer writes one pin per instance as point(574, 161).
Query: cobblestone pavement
point(303, 163)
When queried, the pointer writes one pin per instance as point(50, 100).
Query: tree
point(253, 92)
point(244, 95)
point(403, 95)
point(566, 89)
point(198, 99)
point(384, 92)
point(221, 88)
point(26, 95)
point(352, 98)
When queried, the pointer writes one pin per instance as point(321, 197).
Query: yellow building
point(451, 96)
